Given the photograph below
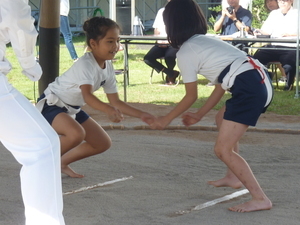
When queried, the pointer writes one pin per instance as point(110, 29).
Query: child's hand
point(190, 118)
point(115, 115)
point(148, 118)
point(160, 123)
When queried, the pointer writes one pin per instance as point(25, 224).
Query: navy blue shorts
point(248, 99)
point(50, 112)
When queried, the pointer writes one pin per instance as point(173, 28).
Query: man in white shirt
point(280, 23)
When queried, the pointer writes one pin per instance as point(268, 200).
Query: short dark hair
point(96, 28)
point(183, 19)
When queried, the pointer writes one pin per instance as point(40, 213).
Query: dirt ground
point(151, 177)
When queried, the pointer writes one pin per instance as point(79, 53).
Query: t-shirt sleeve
point(83, 72)
point(247, 19)
point(158, 19)
point(267, 26)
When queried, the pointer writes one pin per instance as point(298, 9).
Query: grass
point(139, 89)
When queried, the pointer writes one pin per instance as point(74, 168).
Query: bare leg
point(230, 180)
point(96, 142)
point(71, 134)
point(229, 134)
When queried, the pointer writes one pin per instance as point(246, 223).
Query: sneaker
point(282, 80)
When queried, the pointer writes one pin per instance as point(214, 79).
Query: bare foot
point(253, 205)
point(227, 181)
point(67, 170)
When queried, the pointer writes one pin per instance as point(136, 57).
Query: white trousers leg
point(35, 145)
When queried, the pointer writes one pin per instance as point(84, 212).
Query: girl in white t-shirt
point(80, 135)
point(229, 69)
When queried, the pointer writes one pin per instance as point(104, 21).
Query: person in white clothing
point(65, 28)
point(24, 131)
point(80, 135)
point(229, 69)
point(281, 23)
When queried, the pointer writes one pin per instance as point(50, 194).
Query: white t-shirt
point(277, 24)
point(64, 7)
point(207, 56)
point(85, 71)
point(159, 22)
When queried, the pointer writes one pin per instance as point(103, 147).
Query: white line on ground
point(214, 202)
point(97, 185)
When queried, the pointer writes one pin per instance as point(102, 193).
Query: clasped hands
point(155, 123)
point(161, 122)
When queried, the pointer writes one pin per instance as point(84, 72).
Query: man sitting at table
point(281, 23)
point(162, 49)
point(231, 19)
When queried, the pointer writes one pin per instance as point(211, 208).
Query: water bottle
point(137, 28)
point(243, 32)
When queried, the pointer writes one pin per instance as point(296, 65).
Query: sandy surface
point(158, 177)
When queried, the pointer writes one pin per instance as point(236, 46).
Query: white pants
point(35, 145)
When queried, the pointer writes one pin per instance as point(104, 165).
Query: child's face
point(107, 47)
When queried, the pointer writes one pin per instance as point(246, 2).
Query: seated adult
point(281, 22)
point(271, 5)
point(162, 49)
point(230, 20)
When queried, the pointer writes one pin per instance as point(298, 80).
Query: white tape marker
point(97, 185)
point(218, 200)
point(214, 202)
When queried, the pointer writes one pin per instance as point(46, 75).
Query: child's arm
point(113, 113)
point(186, 102)
point(128, 110)
point(189, 118)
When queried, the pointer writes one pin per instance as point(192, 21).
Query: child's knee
point(103, 145)
point(218, 152)
point(77, 137)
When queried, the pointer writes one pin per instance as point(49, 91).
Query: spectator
point(65, 28)
point(271, 5)
point(230, 22)
point(162, 49)
point(281, 22)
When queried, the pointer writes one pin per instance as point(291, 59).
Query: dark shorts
point(249, 95)
point(50, 112)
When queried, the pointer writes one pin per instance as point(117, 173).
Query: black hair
point(97, 27)
point(183, 19)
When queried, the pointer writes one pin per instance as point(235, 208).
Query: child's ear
point(92, 43)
